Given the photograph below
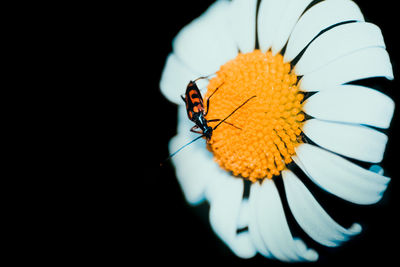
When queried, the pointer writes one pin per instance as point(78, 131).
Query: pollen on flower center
point(270, 124)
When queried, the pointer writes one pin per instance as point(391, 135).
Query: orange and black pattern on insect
point(193, 100)
point(196, 111)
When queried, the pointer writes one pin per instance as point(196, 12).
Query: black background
point(164, 227)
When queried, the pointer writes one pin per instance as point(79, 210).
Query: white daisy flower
point(303, 46)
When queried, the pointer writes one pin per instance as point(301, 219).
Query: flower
point(298, 58)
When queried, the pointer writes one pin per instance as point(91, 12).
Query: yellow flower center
point(270, 124)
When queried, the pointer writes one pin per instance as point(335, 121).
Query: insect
point(197, 112)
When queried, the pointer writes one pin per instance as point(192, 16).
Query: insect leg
point(225, 122)
point(203, 77)
point(194, 130)
point(208, 99)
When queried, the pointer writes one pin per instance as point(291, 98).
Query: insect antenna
point(182, 147)
point(233, 112)
point(208, 77)
point(204, 77)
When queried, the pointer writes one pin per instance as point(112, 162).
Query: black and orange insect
point(197, 113)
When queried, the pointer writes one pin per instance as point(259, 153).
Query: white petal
point(174, 79)
point(276, 20)
point(364, 63)
point(244, 214)
point(311, 216)
point(287, 21)
point(242, 20)
point(337, 42)
point(194, 164)
point(318, 18)
point(351, 103)
point(354, 141)
point(224, 214)
point(242, 246)
point(339, 176)
point(194, 167)
point(183, 123)
point(269, 15)
point(254, 227)
point(205, 44)
point(274, 228)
